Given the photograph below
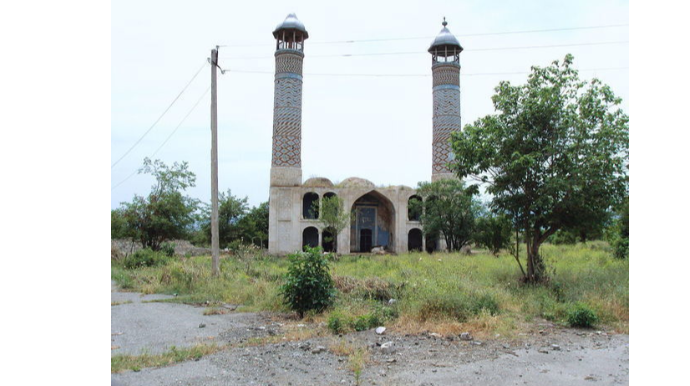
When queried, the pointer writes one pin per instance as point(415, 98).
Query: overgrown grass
point(120, 363)
point(448, 293)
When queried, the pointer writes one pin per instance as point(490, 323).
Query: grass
point(120, 303)
point(443, 293)
point(120, 363)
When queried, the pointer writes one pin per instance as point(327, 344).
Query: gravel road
point(548, 355)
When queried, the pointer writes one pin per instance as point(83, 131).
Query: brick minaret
point(445, 59)
point(286, 164)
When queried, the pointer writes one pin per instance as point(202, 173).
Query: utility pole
point(215, 249)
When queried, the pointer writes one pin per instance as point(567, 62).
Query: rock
point(476, 343)
point(388, 348)
point(380, 330)
point(543, 351)
point(202, 325)
point(465, 336)
point(318, 350)
point(555, 347)
point(391, 302)
point(435, 335)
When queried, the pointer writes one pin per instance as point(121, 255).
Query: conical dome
point(291, 23)
point(445, 39)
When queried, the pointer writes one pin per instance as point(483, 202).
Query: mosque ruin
point(380, 216)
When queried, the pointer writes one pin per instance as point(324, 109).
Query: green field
point(445, 293)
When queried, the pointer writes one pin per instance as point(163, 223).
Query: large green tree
point(553, 155)
point(449, 211)
point(231, 210)
point(165, 214)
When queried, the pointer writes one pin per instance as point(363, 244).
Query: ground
point(257, 355)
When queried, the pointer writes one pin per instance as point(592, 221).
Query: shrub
point(458, 306)
point(581, 316)
point(308, 285)
point(168, 249)
point(621, 248)
point(144, 258)
point(337, 323)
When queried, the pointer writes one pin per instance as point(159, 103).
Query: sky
point(374, 127)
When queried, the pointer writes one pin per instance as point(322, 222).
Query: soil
point(546, 355)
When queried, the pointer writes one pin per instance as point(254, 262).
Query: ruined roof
point(356, 182)
point(318, 182)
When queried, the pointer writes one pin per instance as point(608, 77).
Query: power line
point(459, 35)
point(424, 53)
point(422, 75)
point(159, 118)
point(167, 139)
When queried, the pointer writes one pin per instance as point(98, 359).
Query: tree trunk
point(535, 263)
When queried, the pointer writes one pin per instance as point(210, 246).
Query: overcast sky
point(374, 127)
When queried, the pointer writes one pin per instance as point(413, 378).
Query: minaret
point(445, 65)
point(286, 164)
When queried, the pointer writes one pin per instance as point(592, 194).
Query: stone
point(543, 351)
point(391, 302)
point(465, 336)
point(435, 335)
point(318, 350)
point(388, 348)
point(555, 347)
point(202, 325)
point(380, 330)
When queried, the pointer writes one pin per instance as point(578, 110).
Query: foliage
point(581, 316)
point(118, 225)
point(168, 249)
point(493, 232)
point(332, 217)
point(165, 214)
point(449, 211)
point(308, 283)
point(230, 210)
point(254, 225)
point(145, 258)
point(620, 232)
point(553, 157)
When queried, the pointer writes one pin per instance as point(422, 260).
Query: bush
point(581, 316)
point(145, 258)
point(308, 285)
point(621, 248)
point(168, 249)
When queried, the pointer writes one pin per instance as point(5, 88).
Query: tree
point(449, 211)
point(333, 218)
point(254, 225)
point(165, 214)
point(553, 156)
point(231, 210)
point(493, 232)
point(118, 224)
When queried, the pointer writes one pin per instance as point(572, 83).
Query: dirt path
point(546, 356)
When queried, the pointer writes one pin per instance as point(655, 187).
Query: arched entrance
point(328, 241)
point(310, 237)
point(373, 223)
point(414, 240)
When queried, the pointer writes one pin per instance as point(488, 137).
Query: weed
point(120, 363)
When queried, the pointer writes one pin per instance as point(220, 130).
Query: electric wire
point(167, 139)
point(159, 118)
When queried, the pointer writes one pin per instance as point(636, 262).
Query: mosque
point(380, 216)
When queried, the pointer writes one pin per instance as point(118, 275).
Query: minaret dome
point(445, 48)
point(290, 34)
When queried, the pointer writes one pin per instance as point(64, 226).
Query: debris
point(388, 348)
point(380, 330)
point(318, 350)
point(202, 325)
point(465, 336)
